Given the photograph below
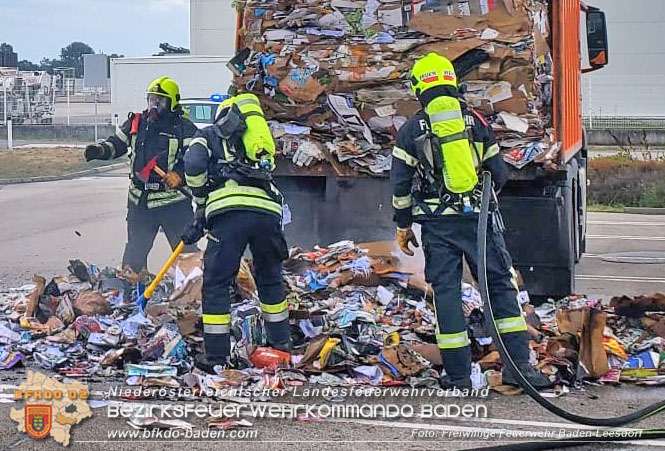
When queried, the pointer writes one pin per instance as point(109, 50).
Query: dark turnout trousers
point(445, 241)
point(144, 223)
point(230, 233)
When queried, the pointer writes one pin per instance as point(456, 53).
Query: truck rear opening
point(341, 75)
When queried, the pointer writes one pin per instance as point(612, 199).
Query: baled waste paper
point(333, 76)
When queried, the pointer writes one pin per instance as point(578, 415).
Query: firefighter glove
point(406, 237)
point(95, 151)
point(172, 179)
point(195, 231)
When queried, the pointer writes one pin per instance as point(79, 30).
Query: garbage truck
point(544, 203)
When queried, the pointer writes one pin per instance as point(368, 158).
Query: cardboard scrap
point(91, 303)
point(33, 297)
point(439, 26)
point(592, 351)
point(451, 49)
point(301, 86)
point(655, 325)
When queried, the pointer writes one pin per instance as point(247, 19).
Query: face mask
point(230, 121)
point(158, 107)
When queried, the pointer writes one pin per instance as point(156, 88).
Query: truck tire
point(573, 181)
point(572, 218)
point(575, 225)
point(582, 186)
point(581, 205)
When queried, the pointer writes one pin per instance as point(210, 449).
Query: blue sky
point(40, 28)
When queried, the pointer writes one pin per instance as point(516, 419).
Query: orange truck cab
point(544, 209)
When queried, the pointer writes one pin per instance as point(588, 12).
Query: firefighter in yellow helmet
point(158, 137)
point(228, 168)
point(444, 147)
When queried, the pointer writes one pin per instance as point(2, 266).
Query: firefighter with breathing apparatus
point(434, 177)
point(160, 135)
point(228, 168)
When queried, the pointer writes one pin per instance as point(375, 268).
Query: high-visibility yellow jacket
point(414, 198)
point(210, 159)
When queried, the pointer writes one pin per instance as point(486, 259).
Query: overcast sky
point(40, 28)
point(633, 84)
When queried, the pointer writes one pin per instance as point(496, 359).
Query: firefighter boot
point(278, 335)
point(208, 364)
point(457, 363)
point(517, 345)
point(217, 345)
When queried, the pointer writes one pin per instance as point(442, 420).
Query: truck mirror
point(596, 38)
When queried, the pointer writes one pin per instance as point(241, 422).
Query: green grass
point(52, 161)
point(605, 208)
point(619, 181)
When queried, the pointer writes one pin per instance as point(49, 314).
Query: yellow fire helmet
point(165, 87)
point(432, 70)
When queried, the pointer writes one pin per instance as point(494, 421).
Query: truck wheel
point(581, 205)
point(570, 208)
point(577, 215)
point(576, 221)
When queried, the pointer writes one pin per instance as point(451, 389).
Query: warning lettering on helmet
point(429, 77)
point(449, 75)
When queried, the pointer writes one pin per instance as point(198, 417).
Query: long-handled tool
point(144, 174)
point(142, 300)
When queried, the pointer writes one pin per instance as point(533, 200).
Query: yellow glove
point(404, 238)
point(172, 179)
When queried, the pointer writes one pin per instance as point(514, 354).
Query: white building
point(212, 25)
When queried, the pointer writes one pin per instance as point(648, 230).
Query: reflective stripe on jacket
point(206, 152)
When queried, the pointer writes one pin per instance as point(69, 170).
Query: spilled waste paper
point(357, 317)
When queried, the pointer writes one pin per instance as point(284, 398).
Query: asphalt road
point(625, 255)
point(45, 224)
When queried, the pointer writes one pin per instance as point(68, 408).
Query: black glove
point(195, 231)
point(95, 152)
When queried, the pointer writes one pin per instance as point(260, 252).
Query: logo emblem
point(38, 420)
point(449, 75)
point(429, 77)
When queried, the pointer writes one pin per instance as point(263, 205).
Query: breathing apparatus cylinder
point(434, 82)
point(449, 128)
point(257, 138)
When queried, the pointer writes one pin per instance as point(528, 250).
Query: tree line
point(70, 56)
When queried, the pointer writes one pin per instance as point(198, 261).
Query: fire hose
point(510, 363)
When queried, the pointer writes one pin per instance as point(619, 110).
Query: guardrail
point(624, 123)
